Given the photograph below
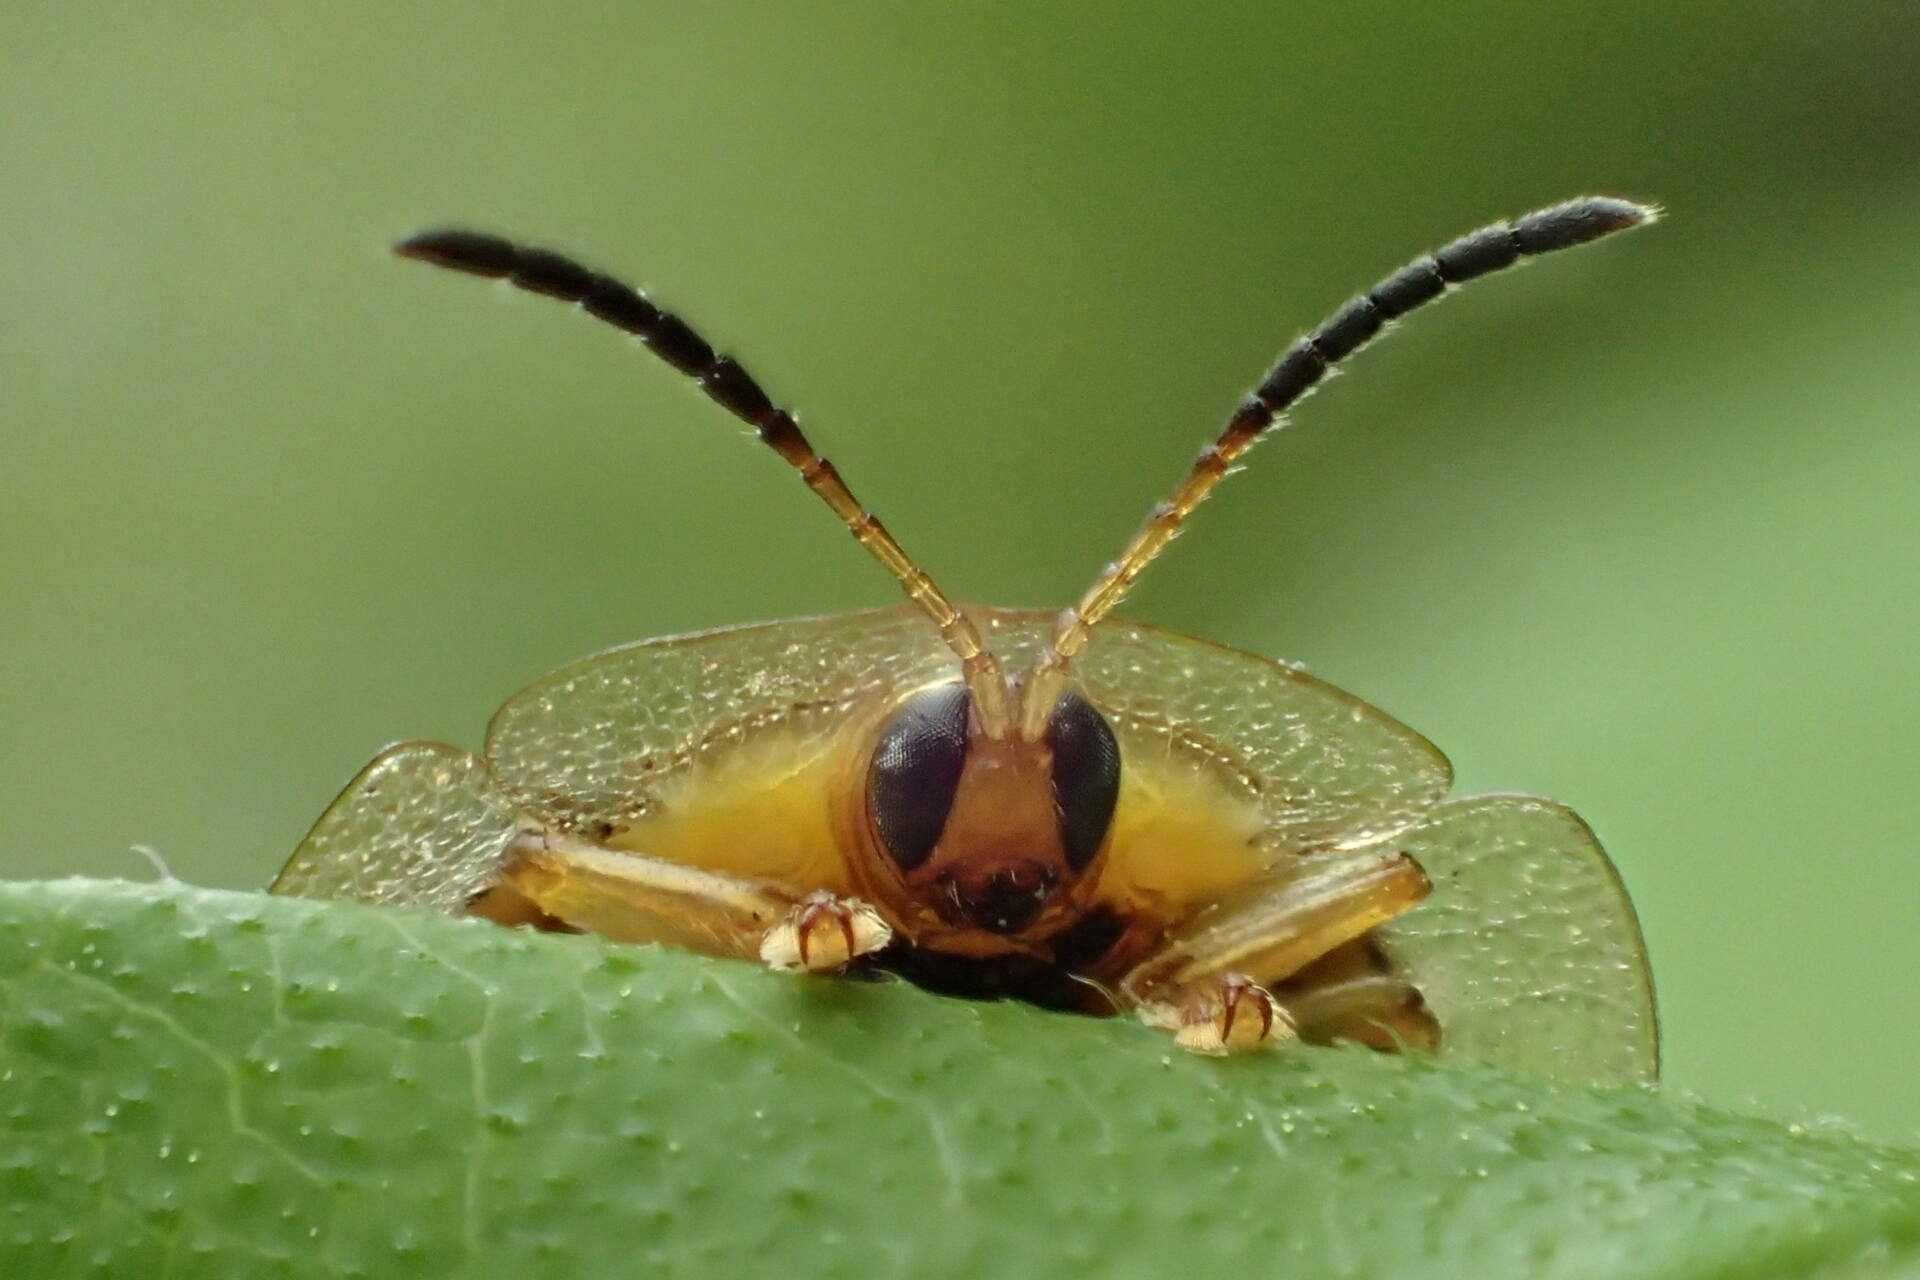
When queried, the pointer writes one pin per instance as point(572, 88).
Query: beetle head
point(991, 831)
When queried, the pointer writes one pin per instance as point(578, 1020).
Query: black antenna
point(733, 389)
point(1298, 372)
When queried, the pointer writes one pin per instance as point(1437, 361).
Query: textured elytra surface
point(423, 823)
point(593, 739)
point(1527, 951)
point(196, 1083)
point(606, 740)
point(1331, 769)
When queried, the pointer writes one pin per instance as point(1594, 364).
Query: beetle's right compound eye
point(916, 770)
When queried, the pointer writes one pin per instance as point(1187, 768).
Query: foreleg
point(1210, 981)
point(633, 898)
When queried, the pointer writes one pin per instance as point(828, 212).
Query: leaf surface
point(196, 1083)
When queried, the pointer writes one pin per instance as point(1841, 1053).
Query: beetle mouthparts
point(1001, 899)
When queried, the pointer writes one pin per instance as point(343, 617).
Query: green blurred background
point(1635, 527)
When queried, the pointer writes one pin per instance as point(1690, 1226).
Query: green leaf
point(199, 1083)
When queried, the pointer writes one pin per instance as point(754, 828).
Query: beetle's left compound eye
point(1086, 776)
point(916, 770)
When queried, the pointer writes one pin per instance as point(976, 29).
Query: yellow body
point(782, 806)
point(764, 809)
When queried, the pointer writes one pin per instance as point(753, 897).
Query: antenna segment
point(1298, 371)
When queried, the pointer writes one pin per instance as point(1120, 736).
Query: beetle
point(1084, 813)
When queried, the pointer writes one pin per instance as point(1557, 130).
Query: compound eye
point(916, 770)
point(1086, 776)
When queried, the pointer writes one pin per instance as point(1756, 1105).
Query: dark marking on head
point(1086, 776)
point(916, 770)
